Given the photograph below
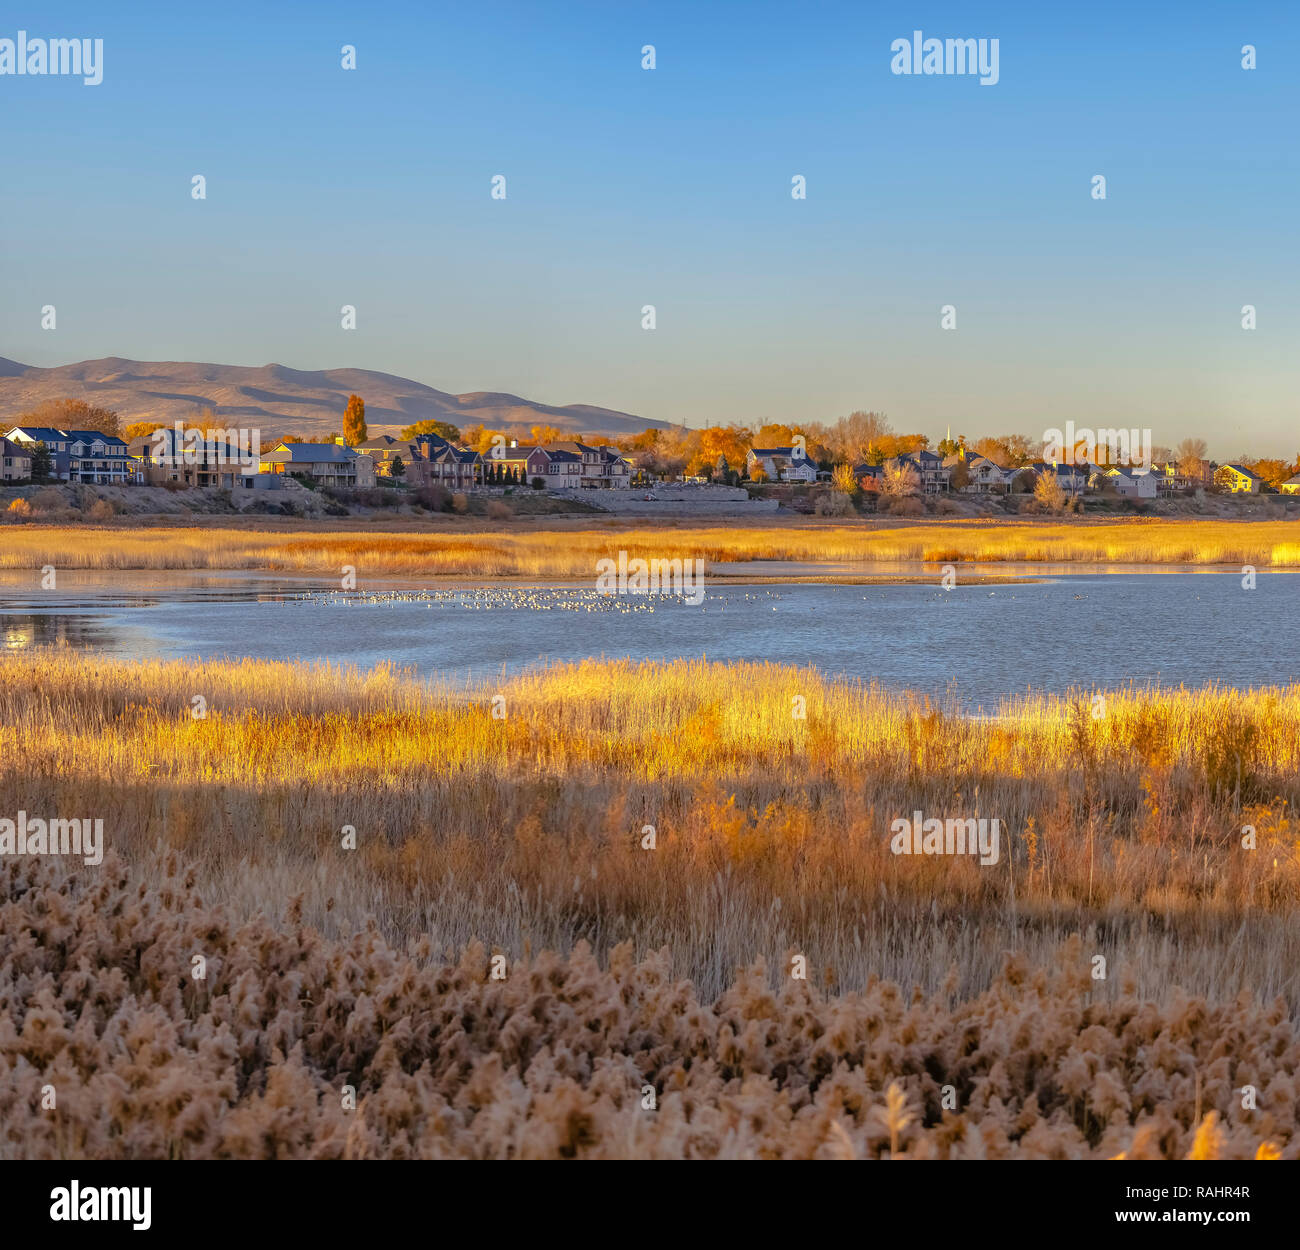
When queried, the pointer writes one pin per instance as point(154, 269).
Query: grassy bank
point(772, 832)
point(669, 964)
point(472, 549)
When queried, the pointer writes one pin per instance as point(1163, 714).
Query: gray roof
point(314, 453)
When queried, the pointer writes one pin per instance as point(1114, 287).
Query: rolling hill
point(278, 400)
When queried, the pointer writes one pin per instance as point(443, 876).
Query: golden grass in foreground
point(507, 552)
point(773, 833)
point(555, 1060)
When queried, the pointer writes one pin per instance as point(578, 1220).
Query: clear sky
point(671, 187)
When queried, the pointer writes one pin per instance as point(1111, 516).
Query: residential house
point(869, 477)
point(1170, 478)
point(1239, 480)
point(934, 474)
point(1291, 486)
point(781, 464)
point(602, 468)
point(1127, 482)
point(331, 464)
point(456, 468)
point(563, 470)
point(517, 464)
point(984, 477)
point(80, 455)
point(194, 458)
point(1072, 479)
point(15, 462)
point(386, 451)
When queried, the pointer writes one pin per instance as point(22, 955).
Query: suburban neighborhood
point(858, 464)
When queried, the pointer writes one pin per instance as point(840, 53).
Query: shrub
point(19, 510)
point(833, 503)
point(433, 498)
point(901, 505)
point(497, 510)
point(101, 510)
point(460, 503)
point(551, 1062)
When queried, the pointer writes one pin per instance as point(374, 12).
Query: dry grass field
point(510, 550)
point(629, 967)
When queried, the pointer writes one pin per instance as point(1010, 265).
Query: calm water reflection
point(981, 642)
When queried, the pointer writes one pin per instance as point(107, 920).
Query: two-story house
point(80, 455)
point(15, 462)
point(1238, 480)
point(934, 474)
point(195, 458)
point(602, 468)
point(331, 464)
point(781, 464)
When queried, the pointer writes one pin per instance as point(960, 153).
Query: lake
point(978, 643)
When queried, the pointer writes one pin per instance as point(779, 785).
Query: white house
point(984, 476)
point(1128, 483)
point(781, 464)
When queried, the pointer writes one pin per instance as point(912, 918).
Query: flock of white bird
point(527, 598)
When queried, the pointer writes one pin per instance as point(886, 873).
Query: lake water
point(979, 643)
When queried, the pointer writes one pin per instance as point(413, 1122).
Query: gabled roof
point(1239, 468)
point(1292, 481)
point(431, 442)
point(315, 453)
point(13, 449)
point(39, 433)
point(47, 434)
point(90, 436)
point(512, 453)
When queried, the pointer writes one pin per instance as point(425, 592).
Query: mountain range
point(278, 400)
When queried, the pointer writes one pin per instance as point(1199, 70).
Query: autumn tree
point(1189, 453)
point(1049, 492)
point(443, 429)
point(141, 429)
point(900, 478)
point(843, 479)
point(354, 421)
point(73, 414)
point(1274, 472)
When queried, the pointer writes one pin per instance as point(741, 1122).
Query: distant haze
point(278, 400)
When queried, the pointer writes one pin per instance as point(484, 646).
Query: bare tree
point(1190, 453)
point(899, 478)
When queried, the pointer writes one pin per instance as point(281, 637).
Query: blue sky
point(671, 187)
